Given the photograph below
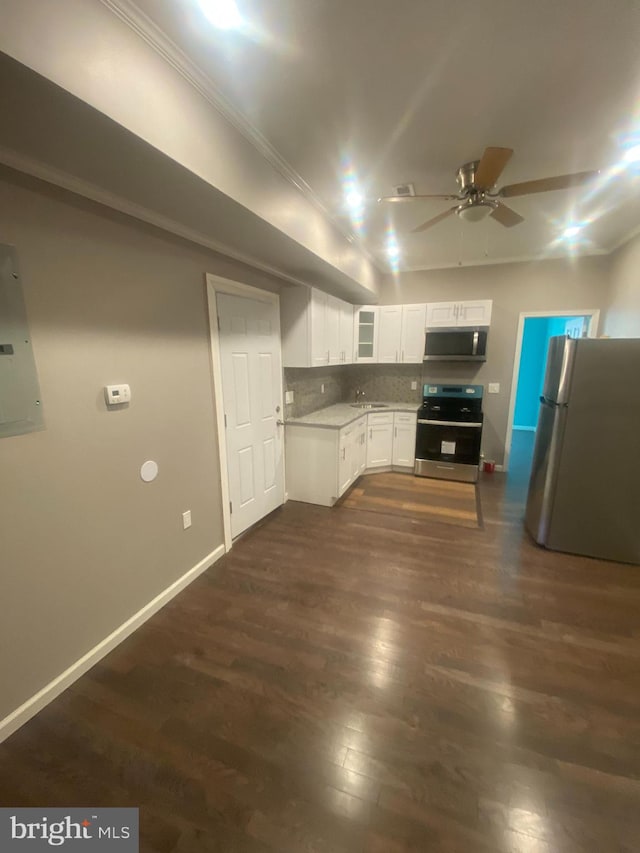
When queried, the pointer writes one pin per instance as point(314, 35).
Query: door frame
point(217, 284)
point(594, 313)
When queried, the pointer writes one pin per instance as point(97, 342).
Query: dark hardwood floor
point(347, 680)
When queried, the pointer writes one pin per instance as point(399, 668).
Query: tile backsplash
point(306, 384)
point(388, 382)
point(391, 382)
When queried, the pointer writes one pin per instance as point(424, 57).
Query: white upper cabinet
point(412, 335)
point(389, 332)
point(475, 313)
point(401, 334)
point(365, 332)
point(470, 313)
point(346, 333)
point(314, 328)
point(332, 329)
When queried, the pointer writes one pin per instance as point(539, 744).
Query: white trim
point(520, 259)
point(54, 688)
point(59, 178)
point(217, 284)
point(594, 313)
point(158, 40)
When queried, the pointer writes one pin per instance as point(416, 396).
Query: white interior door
point(250, 363)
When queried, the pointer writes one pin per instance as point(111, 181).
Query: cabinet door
point(442, 314)
point(389, 330)
point(475, 313)
point(404, 439)
point(345, 451)
point(359, 430)
point(379, 440)
point(346, 333)
point(365, 331)
point(319, 348)
point(332, 329)
point(361, 453)
point(412, 337)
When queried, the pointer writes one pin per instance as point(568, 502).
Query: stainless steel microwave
point(456, 343)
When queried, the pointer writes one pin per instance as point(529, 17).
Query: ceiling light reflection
point(392, 248)
point(632, 155)
point(353, 197)
point(223, 14)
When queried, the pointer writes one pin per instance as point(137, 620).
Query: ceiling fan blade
point(544, 185)
point(491, 165)
point(414, 197)
point(505, 216)
point(434, 221)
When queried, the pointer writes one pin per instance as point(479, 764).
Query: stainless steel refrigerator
point(584, 493)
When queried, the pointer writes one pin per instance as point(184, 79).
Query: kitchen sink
point(369, 406)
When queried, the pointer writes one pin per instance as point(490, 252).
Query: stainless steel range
point(449, 432)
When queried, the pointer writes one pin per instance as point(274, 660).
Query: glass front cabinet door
point(366, 334)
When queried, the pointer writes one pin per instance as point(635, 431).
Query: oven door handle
point(451, 423)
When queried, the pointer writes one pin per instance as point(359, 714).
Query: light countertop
point(342, 414)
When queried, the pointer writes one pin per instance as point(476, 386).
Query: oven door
point(448, 449)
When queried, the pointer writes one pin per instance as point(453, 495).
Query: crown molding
point(158, 40)
point(78, 186)
point(487, 262)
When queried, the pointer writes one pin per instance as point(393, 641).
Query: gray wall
point(84, 543)
point(538, 286)
point(623, 312)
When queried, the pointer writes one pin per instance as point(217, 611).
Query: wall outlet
point(322, 388)
point(494, 387)
point(288, 396)
point(414, 386)
point(186, 519)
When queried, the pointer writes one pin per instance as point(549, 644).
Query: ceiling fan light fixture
point(474, 212)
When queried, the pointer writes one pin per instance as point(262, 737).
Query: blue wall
point(531, 375)
point(533, 359)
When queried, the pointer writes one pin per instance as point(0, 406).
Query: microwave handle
point(474, 350)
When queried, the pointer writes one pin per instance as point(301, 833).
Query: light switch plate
point(186, 519)
point(288, 396)
point(322, 388)
point(414, 386)
point(494, 387)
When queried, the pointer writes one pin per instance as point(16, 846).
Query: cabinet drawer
point(404, 418)
point(380, 418)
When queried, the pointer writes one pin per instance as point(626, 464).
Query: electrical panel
point(20, 404)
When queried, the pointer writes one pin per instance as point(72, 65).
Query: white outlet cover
point(322, 388)
point(494, 387)
point(149, 471)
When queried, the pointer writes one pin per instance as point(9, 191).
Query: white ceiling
point(407, 90)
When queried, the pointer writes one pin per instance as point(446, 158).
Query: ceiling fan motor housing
point(466, 175)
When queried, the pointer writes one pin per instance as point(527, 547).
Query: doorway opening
point(534, 332)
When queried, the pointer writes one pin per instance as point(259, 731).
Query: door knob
point(280, 422)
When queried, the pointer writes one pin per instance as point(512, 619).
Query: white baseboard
point(54, 688)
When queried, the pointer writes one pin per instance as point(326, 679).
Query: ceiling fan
point(477, 197)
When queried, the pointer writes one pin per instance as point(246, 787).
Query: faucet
point(359, 394)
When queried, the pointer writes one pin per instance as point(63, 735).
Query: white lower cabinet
point(404, 439)
point(351, 453)
point(321, 463)
point(379, 439)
